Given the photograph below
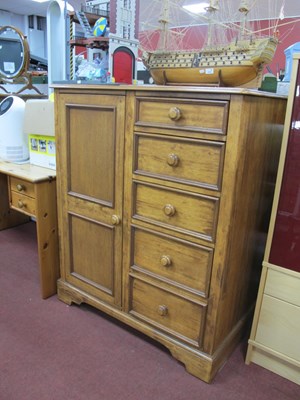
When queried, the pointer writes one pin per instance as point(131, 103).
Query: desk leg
point(8, 217)
point(47, 237)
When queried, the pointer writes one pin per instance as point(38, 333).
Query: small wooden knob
point(169, 210)
point(162, 310)
point(21, 204)
point(174, 113)
point(165, 261)
point(173, 160)
point(20, 187)
point(115, 219)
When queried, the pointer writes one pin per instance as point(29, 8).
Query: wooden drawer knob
point(165, 261)
point(115, 219)
point(20, 187)
point(21, 204)
point(173, 160)
point(169, 210)
point(174, 113)
point(162, 310)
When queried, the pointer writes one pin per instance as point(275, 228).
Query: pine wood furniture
point(31, 191)
point(274, 341)
point(163, 203)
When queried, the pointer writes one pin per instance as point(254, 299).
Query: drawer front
point(23, 203)
point(175, 261)
point(278, 327)
point(197, 162)
point(283, 286)
point(165, 310)
point(189, 213)
point(21, 186)
point(196, 115)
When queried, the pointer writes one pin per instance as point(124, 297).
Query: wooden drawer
point(176, 315)
point(278, 327)
point(23, 203)
point(196, 162)
point(178, 262)
point(283, 286)
point(189, 213)
point(194, 115)
point(21, 186)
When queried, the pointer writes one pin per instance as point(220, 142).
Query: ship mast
point(244, 9)
point(211, 9)
point(164, 23)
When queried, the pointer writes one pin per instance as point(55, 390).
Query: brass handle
point(115, 219)
point(165, 261)
point(173, 160)
point(21, 204)
point(174, 113)
point(169, 210)
point(162, 310)
point(20, 187)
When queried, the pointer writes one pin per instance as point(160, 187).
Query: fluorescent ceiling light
point(40, 1)
point(196, 8)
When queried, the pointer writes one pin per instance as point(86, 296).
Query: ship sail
point(231, 54)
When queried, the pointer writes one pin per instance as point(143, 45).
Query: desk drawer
point(21, 186)
point(278, 327)
point(23, 203)
point(167, 311)
point(178, 262)
point(283, 286)
point(189, 213)
point(196, 115)
point(198, 162)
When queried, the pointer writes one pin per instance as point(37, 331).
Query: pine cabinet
point(163, 204)
point(274, 340)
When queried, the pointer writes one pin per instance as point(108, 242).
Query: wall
point(36, 38)
point(16, 20)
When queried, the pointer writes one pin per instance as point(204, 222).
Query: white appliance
point(13, 141)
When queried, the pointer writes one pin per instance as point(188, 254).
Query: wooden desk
point(31, 190)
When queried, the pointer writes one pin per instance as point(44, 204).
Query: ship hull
point(233, 65)
point(221, 76)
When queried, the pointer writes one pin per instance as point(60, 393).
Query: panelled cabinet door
point(91, 144)
point(285, 247)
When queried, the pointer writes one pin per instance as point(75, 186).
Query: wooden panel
point(193, 214)
point(196, 115)
point(23, 203)
point(196, 162)
point(92, 261)
point(167, 311)
point(91, 146)
point(278, 327)
point(47, 236)
point(276, 364)
point(283, 286)
point(181, 263)
point(22, 186)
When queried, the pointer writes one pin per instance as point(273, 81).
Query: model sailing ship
point(232, 64)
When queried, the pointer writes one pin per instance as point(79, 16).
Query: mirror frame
point(25, 50)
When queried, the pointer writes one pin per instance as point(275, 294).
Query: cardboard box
point(42, 151)
point(39, 125)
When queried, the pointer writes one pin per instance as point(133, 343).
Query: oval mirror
point(14, 53)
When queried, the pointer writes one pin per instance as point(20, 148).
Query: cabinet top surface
point(155, 88)
point(29, 172)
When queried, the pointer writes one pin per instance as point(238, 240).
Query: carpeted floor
point(51, 351)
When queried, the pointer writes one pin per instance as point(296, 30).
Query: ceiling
point(29, 7)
